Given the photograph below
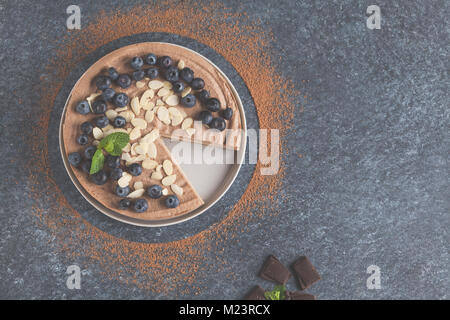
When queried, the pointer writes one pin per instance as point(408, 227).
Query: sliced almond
point(187, 123)
point(148, 106)
point(140, 158)
point(190, 131)
point(155, 84)
point(126, 156)
point(174, 111)
point(186, 91)
point(124, 180)
point(142, 148)
point(176, 189)
point(156, 175)
point(127, 148)
point(149, 164)
point(152, 151)
point(163, 114)
point(135, 134)
point(120, 109)
point(139, 123)
point(167, 181)
point(119, 130)
point(151, 136)
point(167, 166)
point(133, 149)
point(138, 185)
point(173, 100)
point(92, 98)
point(107, 128)
point(135, 105)
point(181, 64)
point(149, 116)
point(97, 133)
point(146, 97)
point(163, 92)
point(176, 120)
point(128, 115)
point(165, 192)
point(140, 84)
point(159, 102)
point(111, 114)
point(136, 193)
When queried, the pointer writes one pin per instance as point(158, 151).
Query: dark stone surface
point(371, 187)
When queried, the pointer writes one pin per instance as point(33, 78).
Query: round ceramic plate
point(211, 181)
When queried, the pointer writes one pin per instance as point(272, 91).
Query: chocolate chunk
point(297, 295)
point(305, 272)
point(274, 270)
point(257, 293)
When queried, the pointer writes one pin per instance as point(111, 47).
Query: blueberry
point(152, 73)
point(122, 192)
point(137, 63)
point(121, 100)
point(113, 74)
point(206, 117)
point(119, 122)
point(218, 123)
point(86, 127)
point(101, 121)
point(99, 106)
point(86, 166)
point(227, 113)
point(212, 104)
point(203, 95)
point(154, 191)
point(89, 152)
point(112, 161)
point(103, 82)
point(82, 139)
point(124, 204)
point(108, 94)
point(172, 201)
point(187, 75)
point(135, 169)
point(124, 81)
point(140, 205)
point(150, 59)
point(188, 100)
point(197, 84)
point(178, 86)
point(116, 173)
point(165, 61)
point(100, 177)
point(138, 75)
point(83, 107)
point(74, 159)
point(171, 74)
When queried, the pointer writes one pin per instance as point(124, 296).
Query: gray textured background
point(372, 186)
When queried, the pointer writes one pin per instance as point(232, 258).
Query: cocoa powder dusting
point(172, 267)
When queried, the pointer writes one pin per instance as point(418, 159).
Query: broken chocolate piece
point(305, 272)
point(297, 295)
point(274, 270)
point(257, 293)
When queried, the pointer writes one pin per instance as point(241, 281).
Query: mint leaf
point(98, 161)
point(117, 139)
point(278, 293)
point(109, 146)
point(117, 151)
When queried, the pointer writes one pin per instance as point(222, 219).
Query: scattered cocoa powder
point(176, 267)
